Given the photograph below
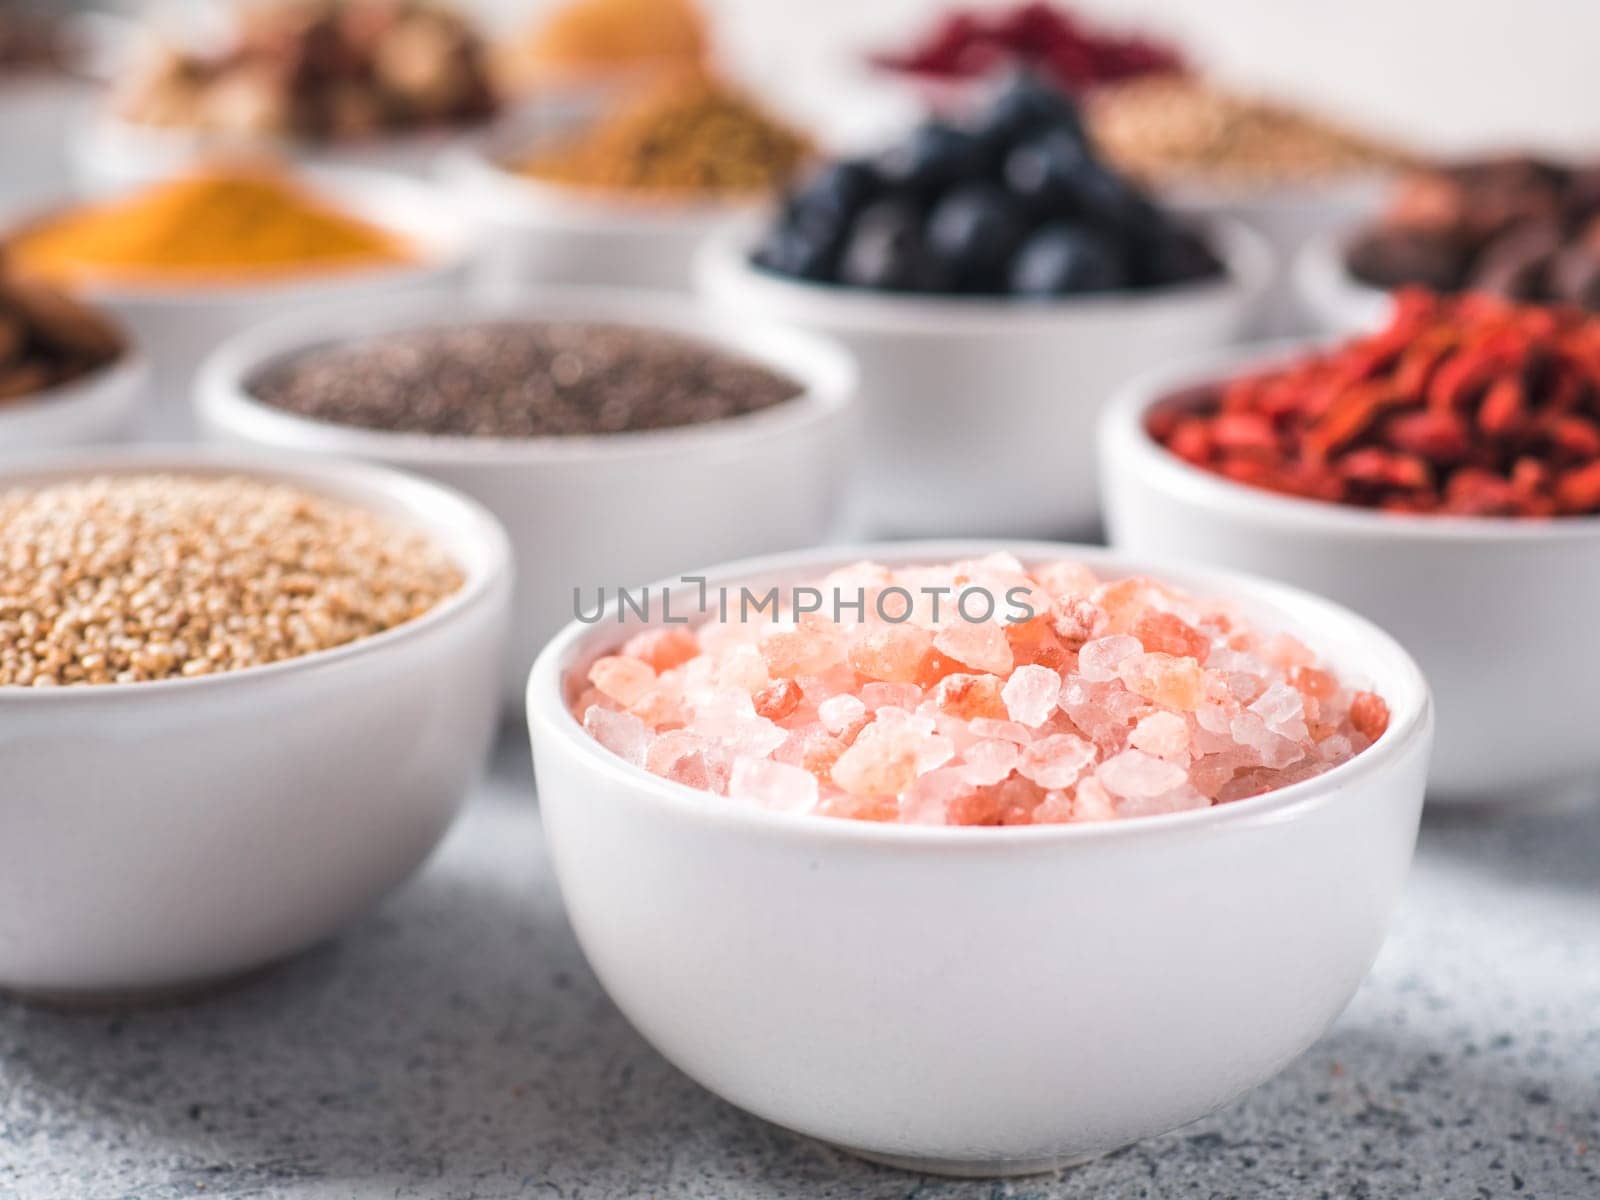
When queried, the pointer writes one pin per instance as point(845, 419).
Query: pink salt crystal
point(838, 713)
point(803, 650)
point(1077, 620)
point(890, 695)
point(1164, 734)
point(1016, 800)
point(1180, 799)
point(1170, 682)
point(1008, 731)
point(882, 761)
point(743, 668)
point(1030, 695)
point(621, 733)
point(991, 761)
point(1271, 749)
point(773, 785)
point(1099, 660)
point(1066, 579)
point(934, 753)
point(1282, 708)
point(892, 653)
point(622, 679)
point(1135, 773)
point(1054, 809)
point(1091, 802)
point(981, 646)
point(891, 715)
point(931, 795)
point(663, 648)
point(684, 758)
point(970, 696)
point(1056, 761)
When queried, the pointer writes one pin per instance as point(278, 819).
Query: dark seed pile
point(521, 380)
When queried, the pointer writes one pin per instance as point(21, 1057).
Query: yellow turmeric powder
point(215, 226)
point(685, 134)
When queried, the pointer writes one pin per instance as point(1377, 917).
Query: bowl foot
point(970, 1169)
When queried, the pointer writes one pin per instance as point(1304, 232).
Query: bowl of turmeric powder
point(186, 263)
point(624, 195)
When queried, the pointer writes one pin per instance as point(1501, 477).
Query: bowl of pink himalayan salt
point(969, 891)
point(978, 412)
point(1499, 611)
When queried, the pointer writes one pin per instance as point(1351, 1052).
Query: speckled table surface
point(454, 1044)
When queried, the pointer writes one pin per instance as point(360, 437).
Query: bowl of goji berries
point(1441, 476)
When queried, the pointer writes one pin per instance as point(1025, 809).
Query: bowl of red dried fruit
point(1441, 476)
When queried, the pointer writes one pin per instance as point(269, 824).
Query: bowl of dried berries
point(996, 282)
point(978, 858)
point(1441, 476)
point(241, 697)
point(624, 195)
point(615, 434)
point(69, 375)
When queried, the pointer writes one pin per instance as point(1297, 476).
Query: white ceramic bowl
point(983, 1001)
point(979, 413)
point(163, 835)
point(178, 325)
point(110, 153)
point(102, 406)
point(1336, 301)
point(546, 233)
point(1288, 217)
point(1499, 612)
point(608, 511)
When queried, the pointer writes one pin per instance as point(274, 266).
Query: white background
point(1443, 74)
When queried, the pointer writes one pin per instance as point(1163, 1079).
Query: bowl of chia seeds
point(617, 435)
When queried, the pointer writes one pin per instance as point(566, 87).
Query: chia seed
point(520, 380)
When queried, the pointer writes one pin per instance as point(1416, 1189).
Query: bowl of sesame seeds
point(617, 435)
point(241, 697)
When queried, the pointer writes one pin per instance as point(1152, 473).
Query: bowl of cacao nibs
point(1517, 226)
point(617, 435)
point(996, 282)
point(69, 375)
point(388, 84)
point(1441, 476)
point(1080, 850)
point(242, 696)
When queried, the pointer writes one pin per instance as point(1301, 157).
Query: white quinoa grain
point(125, 579)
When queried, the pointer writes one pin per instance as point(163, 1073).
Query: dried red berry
point(1468, 405)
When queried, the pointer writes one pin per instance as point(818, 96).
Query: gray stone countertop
point(454, 1044)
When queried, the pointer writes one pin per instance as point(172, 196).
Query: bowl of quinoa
point(240, 698)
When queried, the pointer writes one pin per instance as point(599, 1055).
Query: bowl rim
point(827, 372)
point(1125, 445)
point(1411, 710)
point(481, 549)
point(443, 239)
point(1323, 281)
point(478, 172)
point(724, 273)
point(114, 384)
